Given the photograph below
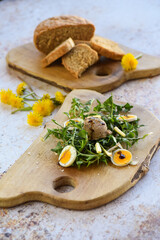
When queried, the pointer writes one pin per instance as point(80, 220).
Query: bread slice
point(58, 52)
point(82, 41)
point(107, 48)
point(79, 59)
point(53, 31)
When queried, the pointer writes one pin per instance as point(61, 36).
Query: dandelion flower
point(59, 97)
point(21, 88)
point(6, 96)
point(16, 101)
point(46, 96)
point(34, 119)
point(50, 105)
point(43, 107)
point(129, 62)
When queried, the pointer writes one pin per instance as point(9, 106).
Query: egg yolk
point(67, 123)
point(65, 157)
point(126, 117)
point(122, 157)
point(77, 121)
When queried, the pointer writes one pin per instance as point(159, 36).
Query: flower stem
point(31, 99)
point(27, 104)
point(30, 88)
point(29, 94)
point(22, 109)
point(139, 56)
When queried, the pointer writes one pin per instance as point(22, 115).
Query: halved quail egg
point(128, 118)
point(67, 156)
point(77, 120)
point(121, 157)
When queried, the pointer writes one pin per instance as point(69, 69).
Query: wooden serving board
point(104, 76)
point(36, 175)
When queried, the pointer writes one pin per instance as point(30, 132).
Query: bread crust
point(82, 41)
point(107, 48)
point(58, 52)
point(61, 22)
point(73, 55)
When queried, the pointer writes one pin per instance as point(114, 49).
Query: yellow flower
point(46, 96)
point(16, 101)
point(43, 107)
point(34, 119)
point(129, 62)
point(20, 89)
point(59, 97)
point(50, 104)
point(6, 96)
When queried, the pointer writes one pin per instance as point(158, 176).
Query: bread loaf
point(52, 32)
point(79, 59)
point(58, 52)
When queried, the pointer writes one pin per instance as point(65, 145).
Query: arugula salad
point(93, 135)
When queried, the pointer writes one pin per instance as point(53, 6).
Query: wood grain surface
point(104, 76)
point(36, 175)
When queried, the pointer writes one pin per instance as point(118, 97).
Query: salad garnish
point(103, 134)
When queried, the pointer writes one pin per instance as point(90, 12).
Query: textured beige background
point(136, 214)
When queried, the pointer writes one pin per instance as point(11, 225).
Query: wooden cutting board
point(35, 176)
point(104, 76)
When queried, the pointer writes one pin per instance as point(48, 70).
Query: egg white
point(74, 119)
point(134, 117)
point(72, 157)
point(94, 116)
point(134, 162)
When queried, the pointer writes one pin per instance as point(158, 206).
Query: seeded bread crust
point(79, 59)
point(53, 31)
point(107, 48)
point(58, 52)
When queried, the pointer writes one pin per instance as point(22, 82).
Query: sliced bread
point(58, 52)
point(79, 59)
point(107, 48)
point(53, 31)
point(82, 41)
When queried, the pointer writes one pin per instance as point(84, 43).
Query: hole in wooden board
point(64, 184)
point(103, 67)
point(103, 71)
point(101, 74)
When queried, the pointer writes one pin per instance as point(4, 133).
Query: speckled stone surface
point(136, 214)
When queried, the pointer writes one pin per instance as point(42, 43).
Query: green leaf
point(127, 107)
point(58, 149)
point(67, 114)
